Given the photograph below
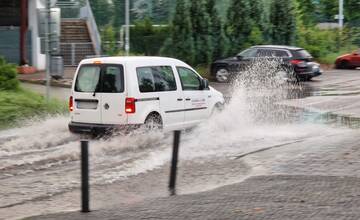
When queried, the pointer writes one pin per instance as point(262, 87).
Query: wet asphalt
point(318, 136)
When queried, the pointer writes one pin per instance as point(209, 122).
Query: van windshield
point(87, 79)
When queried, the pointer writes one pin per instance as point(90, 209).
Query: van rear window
point(87, 79)
point(100, 78)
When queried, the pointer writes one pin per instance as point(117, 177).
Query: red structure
point(23, 30)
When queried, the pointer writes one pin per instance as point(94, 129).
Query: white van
point(117, 92)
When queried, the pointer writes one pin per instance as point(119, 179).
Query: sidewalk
point(40, 78)
point(262, 197)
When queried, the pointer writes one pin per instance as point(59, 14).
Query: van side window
point(156, 79)
point(113, 79)
point(189, 79)
point(87, 79)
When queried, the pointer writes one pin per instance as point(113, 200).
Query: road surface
point(256, 135)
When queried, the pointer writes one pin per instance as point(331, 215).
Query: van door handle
point(187, 99)
point(179, 99)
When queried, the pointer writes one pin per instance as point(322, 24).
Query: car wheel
point(153, 122)
point(222, 75)
point(217, 109)
point(344, 65)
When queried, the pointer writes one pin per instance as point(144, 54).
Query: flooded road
point(253, 135)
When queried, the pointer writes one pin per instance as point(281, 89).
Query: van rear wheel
point(153, 122)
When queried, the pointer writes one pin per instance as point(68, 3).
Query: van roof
point(128, 59)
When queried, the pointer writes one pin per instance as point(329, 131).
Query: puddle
point(334, 93)
point(330, 119)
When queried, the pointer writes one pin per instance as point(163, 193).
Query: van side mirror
point(204, 84)
point(356, 52)
point(239, 57)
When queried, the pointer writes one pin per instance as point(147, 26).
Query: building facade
point(19, 37)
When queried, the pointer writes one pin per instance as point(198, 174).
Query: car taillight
point(299, 63)
point(71, 104)
point(130, 105)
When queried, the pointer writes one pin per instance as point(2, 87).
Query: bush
point(147, 39)
point(24, 104)
point(8, 76)
point(326, 45)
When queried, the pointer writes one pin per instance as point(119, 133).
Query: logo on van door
point(198, 102)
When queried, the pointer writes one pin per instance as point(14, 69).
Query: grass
point(20, 104)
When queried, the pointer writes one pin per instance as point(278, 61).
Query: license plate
point(86, 104)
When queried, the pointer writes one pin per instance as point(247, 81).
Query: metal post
point(341, 13)
point(173, 169)
point(47, 47)
point(85, 176)
point(72, 54)
point(127, 27)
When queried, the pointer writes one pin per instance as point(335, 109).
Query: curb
point(54, 83)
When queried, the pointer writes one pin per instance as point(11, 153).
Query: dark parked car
point(348, 61)
point(295, 60)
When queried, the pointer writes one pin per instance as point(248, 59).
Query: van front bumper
point(90, 128)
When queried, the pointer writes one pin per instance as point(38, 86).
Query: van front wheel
point(153, 122)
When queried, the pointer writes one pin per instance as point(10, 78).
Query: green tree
point(218, 38)
point(108, 38)
point(146, 38)
point(142, 9)
point(257, 10)
point(119, 13)
point(328, 9)
point(260, 26)
point(161, 11)
point(256, 37)
point(283, 21)
point(352, 12)
point(180, 44)
point(200, 23)
point(306, 10)
point(102, 11)
point(238, 25)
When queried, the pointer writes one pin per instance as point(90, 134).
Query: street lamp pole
point(47, 47)
point(341, 14)
point(127, 27)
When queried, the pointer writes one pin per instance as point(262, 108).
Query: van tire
point(217, 109)
point(153, 122)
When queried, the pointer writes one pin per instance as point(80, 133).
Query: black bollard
point(173, 169)
point(85, 176)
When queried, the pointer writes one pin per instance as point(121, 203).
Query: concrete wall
point(10, 44)
point(38, 59)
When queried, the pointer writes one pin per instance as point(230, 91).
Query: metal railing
point(86, 12)
point(73, 53)
point(82, 10)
